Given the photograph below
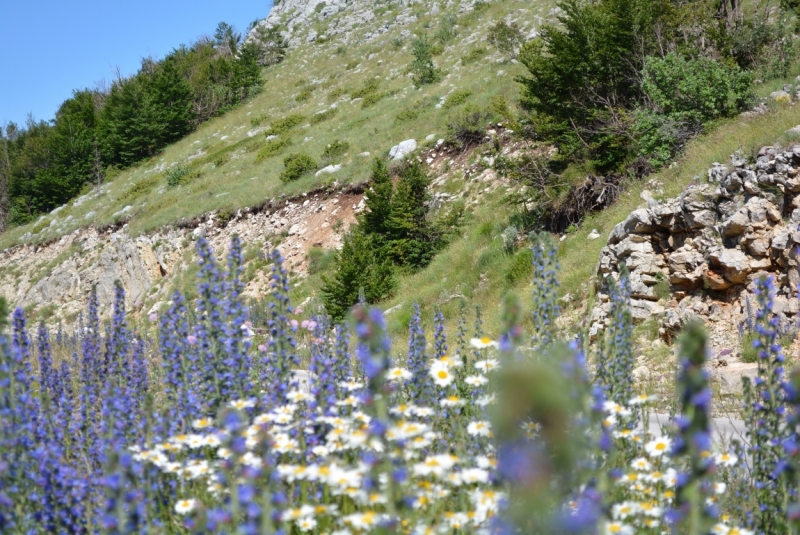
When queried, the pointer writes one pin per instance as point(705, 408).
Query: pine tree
point(378, 201)
point(422, 68)
point(412, 239)
point(361, 266)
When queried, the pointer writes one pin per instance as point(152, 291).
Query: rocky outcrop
point(61, 274)
point(341, 17)
point(699, 254)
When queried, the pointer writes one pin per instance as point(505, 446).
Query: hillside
point(345, 79)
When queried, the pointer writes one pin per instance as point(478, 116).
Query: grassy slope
point(474, 265)
point(332, 71)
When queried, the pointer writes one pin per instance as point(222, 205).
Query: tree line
point(44, 164)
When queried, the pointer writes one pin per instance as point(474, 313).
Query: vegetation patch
point(272, 148)
point(297, 165)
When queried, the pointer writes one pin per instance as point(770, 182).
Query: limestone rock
point(733, 262)
point(402, 149)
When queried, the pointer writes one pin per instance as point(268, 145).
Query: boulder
point(402, 149)
point(638, 222)
point(734, 264)
point(729, 378)
point(736, 224)
point(717, 172)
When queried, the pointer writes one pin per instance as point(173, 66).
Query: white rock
point(430, 137)
point(329, 169)
point(593, 235)
point(403, 149)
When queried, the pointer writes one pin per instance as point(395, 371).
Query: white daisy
point(185, 506)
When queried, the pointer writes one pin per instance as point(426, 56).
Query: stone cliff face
point(700, 254)
point(61, 274)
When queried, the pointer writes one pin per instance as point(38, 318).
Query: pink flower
point(298, 310)
point(294, 324)
point(304, 324)
point(192, 339)
point(262, 347)
point(153, 316)
point(312, 325)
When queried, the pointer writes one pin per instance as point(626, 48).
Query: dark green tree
point(124, 126)
point(168, 101)
point(378, 204)
point(361, 267)
point(412, 240)
point(422, 68)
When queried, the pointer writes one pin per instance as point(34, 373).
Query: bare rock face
point(709, 246)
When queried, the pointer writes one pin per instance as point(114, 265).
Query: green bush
point(287, 123)
point(468, 127)
point(361, 268)
point(507, 38)
point(699, 89)
point(369, 87)
point(372, 99)
point(457, 98)
point(323, 116)
point(320, 260)
point(334, 150)
point(297, 165)
point(273, 147)
point(423, 70)
point(447, 29)
point(474, 55)
point(176, 175)
point(407, 115)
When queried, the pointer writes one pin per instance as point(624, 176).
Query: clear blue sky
point(48, 48)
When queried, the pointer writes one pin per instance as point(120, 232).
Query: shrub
point(474, 55)
point(273, 147)
point(323, 115)
point(369, 87)
point(320, 260)
point(468, 127)
point(457, 98)
point(407, 115)
point(372, 99)
point(297, 165)
point(334, 150)
point(698, 89)
point(286, 124)
point(175, 175)
point(422, 68)
point(447, 29)
point(361, 269)
point(507, 38)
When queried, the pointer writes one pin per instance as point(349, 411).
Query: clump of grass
point(320, 260)
point(369, 87)
point(143, 187)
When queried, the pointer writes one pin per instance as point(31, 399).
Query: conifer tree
point(412, 240)
point(378, 201)
point(361, 267)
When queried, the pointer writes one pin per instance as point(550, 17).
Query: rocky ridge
point(700, 254)
point(342, 17)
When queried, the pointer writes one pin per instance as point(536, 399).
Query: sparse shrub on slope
point(468, 126)
point(423, 70)
point(334, 150)
point(507, 38)
point(297, 165)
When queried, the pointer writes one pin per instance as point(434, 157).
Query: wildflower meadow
point(217, 426)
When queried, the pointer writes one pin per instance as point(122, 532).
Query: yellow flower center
point(442, 374)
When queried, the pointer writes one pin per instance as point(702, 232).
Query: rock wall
point(61, 274)
point(699, 255)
